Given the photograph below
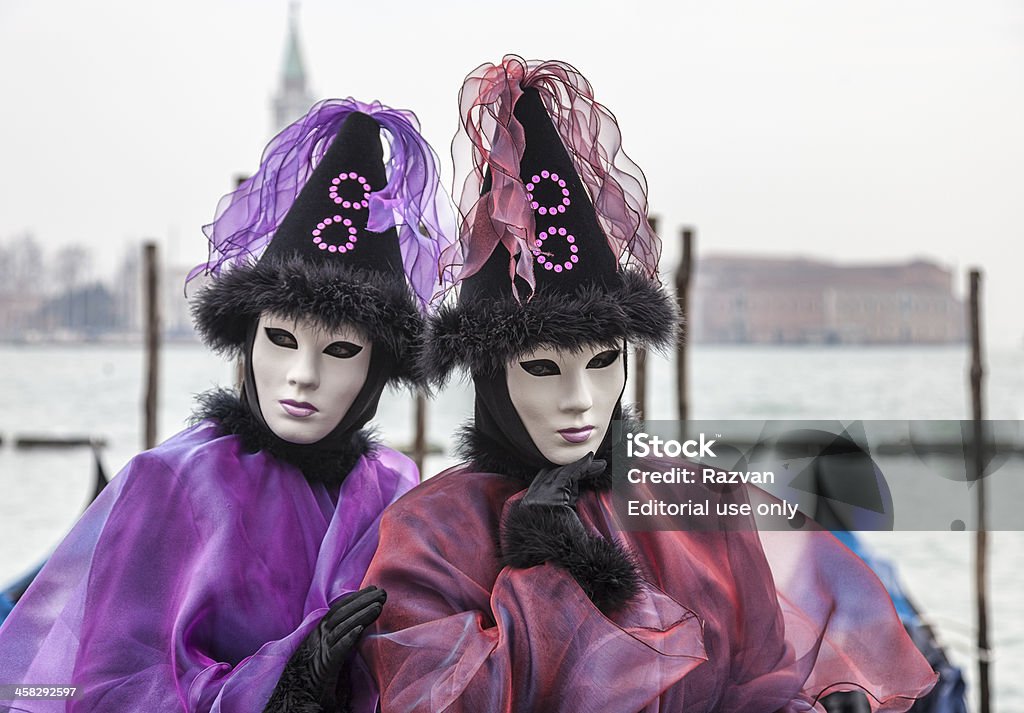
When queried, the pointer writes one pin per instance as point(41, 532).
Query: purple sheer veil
point(491, 139)
point(246, 218)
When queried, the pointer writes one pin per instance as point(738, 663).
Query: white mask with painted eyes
point(566, 399)
point(306, 378)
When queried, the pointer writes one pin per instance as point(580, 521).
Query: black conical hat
point(570, 249)
point(359, 282)
point(327, 222)
point(576, 302)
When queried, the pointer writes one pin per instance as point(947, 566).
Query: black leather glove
point(313, 672)
point(560, 486)
point(330, 643)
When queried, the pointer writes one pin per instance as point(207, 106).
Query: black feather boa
point(533, 535)
point(296, 692)
point(604, 569)
point(233, 416)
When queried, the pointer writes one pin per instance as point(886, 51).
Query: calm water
point(97, 390)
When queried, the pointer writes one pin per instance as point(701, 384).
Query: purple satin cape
point(193, 578)
point(730, 622)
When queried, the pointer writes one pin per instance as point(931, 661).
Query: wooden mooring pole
point(683, 275)
point(981, 536)
point(152, 326)
point(419, 439)
point(640, 360)
point(240, 178)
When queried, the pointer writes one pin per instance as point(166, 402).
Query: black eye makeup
point(342, 350)
point(281, 338)
point(540, 367)
point(606, 358)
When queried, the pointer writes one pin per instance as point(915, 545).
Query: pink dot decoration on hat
point(350, 176)
point(338, 219)
point(552, 210)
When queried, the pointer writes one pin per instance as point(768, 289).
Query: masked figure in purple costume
point(514, 584)
point(221, 570)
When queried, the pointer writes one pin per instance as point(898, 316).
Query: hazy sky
point(862, 130)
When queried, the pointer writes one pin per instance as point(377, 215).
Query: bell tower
point(293, 97)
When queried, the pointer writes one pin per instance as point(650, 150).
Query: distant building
point(175, 310)
point(755, 300)
point(128, 290)
point(18, 314)
point(293, 97)
point(23, 282)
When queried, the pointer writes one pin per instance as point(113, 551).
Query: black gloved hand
point(327, 648)
point(309, 682)
point(545, 527)
point(560, 486)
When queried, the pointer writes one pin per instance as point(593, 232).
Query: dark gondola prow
point(12, 592)
point(99, 474)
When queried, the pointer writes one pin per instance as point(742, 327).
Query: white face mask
point(306, 379)
point(565, 399)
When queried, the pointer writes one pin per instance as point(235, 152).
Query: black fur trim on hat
point(482, 336)
point(318, 466)
point(329, 294)
point(532, 535)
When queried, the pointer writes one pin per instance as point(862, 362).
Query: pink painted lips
point(298, 409)
point(576, 435)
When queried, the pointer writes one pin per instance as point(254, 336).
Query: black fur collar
point(488, 456)
point(317, 465)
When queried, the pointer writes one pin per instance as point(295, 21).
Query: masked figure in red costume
point(513, 584)
point(221, 570)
